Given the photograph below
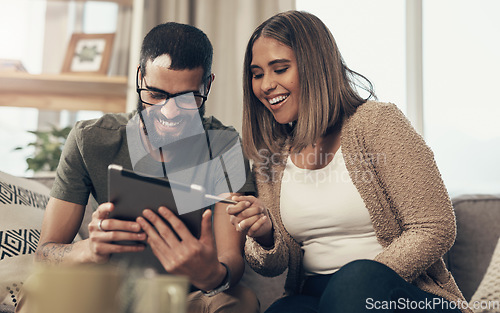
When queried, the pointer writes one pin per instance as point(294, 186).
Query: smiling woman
point(275, 79)
point(380, 232)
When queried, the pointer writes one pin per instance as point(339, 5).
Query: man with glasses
point(168, 136)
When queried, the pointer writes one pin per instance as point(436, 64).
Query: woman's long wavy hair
point(327, 86)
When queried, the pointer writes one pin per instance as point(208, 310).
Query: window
point(460, 68)
point(461, 108)
point(22, 36)
point(14, 126)
point(22, 31)
point(100, 17)
point(371, 37)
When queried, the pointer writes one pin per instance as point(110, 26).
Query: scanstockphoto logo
point(363, 163)
point(210, 161)
point(430, 304)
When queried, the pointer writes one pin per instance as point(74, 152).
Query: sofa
point(478, 233)
point(470, 258)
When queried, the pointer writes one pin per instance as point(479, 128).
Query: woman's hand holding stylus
point(251, 217)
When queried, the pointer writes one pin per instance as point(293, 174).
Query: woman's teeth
point(277, 99)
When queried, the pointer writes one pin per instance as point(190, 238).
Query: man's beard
point(190, 125)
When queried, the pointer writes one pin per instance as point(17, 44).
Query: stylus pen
point(219, 199)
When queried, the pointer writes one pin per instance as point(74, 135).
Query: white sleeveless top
point(324, 212)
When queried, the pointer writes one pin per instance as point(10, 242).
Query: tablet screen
point(131, 193)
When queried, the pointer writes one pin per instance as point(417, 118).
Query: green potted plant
point(48, 147)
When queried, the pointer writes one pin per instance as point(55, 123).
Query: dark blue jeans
point(361, 286)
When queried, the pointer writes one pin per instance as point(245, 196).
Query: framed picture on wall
point(88, 54)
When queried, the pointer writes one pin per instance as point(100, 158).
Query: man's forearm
point(53, 252)
point(236, 265)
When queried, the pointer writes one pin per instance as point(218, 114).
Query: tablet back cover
point(131, 193)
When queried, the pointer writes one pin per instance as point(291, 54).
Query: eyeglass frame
point(167, 94)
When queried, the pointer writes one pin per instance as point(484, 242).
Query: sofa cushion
point(267, 289)
point(22, 203)
point(83, 232)
point(478, 217)
point(487, 297)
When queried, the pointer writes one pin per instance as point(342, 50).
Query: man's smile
point(169, 122)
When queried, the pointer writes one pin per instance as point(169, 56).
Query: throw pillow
point(486, 299)
point(22, 204)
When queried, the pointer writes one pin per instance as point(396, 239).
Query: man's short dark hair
point(187, 46)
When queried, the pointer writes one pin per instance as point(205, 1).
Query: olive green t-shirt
point(93, 145)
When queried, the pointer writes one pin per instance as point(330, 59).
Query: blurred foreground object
point(76, 289)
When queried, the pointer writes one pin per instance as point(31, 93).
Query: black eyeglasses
point(188, 100)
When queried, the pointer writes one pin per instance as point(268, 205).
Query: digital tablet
point(131, 193)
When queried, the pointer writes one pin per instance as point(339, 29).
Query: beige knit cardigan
point(396, 175)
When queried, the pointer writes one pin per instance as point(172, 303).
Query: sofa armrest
point(478, 217)
point(4, 308)
point(267, 289)
point(48, 180)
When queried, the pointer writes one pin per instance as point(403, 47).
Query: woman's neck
point(318, 154)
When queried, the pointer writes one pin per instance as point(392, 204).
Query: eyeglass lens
point(188, 101)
